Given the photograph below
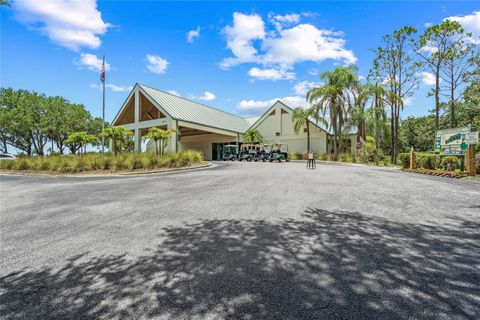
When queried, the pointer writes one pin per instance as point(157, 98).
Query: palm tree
point(156, 135)
point(252, 136)
point(376, 114)
point(333, 98)
point(358, 114)
point(300, 118)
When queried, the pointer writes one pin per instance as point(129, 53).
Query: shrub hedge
point(109, 162)
point(430, 161)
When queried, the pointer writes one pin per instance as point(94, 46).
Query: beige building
point(207, 129)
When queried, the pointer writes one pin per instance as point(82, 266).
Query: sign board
point(310, 156)
point(451, 141)
point(471, 138)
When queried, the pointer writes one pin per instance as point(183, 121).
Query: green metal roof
point(189, 111)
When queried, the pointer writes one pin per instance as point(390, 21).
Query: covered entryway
point(197, 126)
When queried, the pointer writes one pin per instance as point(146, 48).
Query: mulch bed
point(440, 173)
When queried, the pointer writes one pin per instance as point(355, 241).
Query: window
point(277, 134)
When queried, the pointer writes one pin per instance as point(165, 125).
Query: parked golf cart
point(247, 152)
point(230, 152)
point(279, 152)
point(263, 154)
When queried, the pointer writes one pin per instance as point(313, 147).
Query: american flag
point(102, 75)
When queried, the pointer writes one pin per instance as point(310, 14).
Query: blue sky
point(236, 56)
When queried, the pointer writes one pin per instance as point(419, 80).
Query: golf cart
point(279, 152)
point(247, 152)
point(263, 153)
point(230, 152)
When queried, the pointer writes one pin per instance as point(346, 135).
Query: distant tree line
point(345, 103)
point(32, 122)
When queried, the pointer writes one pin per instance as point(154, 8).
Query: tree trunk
point(392, 133)
point(335, 137)
point(437, 96)
point(453, 121)
point(308, 137)
point(4, 142)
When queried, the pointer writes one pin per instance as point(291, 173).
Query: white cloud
point(305, 42)
point(192, 34)
point(281, 48)
point(271, 74)
point(302, 87)
point(156, 64)
point(245, 29)
point(258, 106)
point(407, 101)
point(281, 21)
point(207, 96)
point(113, 87)
point(471, 23)
point(428, 24)
point(92, 62)
point(68, 23)
point(427, 78)
point(174, 92)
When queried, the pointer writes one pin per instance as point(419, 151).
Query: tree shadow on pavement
point(329, 265)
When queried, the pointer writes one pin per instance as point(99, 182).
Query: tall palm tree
point(376, 114)
point(333, 98)
point(252, 136)
point(300, 118)
point(358, 114)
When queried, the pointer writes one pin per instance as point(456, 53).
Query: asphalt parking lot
point(241, 241)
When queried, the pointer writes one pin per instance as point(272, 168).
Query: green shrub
point(368, 152)
point(63, 164)
point(293, 156)
point(77, 164)
point(7, 164)
point(387, 161)
point(345, 157)
point(149, 160)
point(107, 161)
point(321, 156)
point(41, 164)
point(21, 164)
point(450, 163)
point(92, 162)
point(404, 159)
point(119, 162)
point(134, 161)
point(427, 161)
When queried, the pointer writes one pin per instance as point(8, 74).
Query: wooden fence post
point(413, 160)
point(470, 160)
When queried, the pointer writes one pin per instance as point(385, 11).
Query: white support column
point(172, 142)
point(137, 138)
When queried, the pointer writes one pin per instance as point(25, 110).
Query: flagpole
point(103, 110)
